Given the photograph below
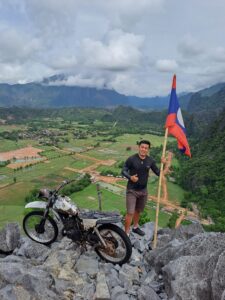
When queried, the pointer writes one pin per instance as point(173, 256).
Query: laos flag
point(175, 123)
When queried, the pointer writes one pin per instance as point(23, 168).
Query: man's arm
point(156, 170)
point(126, 171)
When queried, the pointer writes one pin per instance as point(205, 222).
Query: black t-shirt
point(135, 165)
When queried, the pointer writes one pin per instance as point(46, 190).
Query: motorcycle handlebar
point(65, 182)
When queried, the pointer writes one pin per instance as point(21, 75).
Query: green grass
point(8, 145)
point(40, 175)
point(11, 213)
point(81, 164)
point(113, 168)
point(49, 174)
point(118, 150)
point(79, 143)
point(10, 128)
point(88, 198)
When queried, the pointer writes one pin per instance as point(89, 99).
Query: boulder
point(218, 280)
point(147, 293)
point(189, 277)
point(9, 238)
point(102, 290)
point(32, 250)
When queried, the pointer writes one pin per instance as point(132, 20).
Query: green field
point(53, 171)
point(81, 163)
point(118, 150)
point(8, 145)
point(11, 128)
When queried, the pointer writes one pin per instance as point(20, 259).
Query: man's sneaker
point(138, 231)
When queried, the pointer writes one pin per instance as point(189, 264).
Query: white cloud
point(120, 52)
point(79, 80)
point(16, 45)
point(131, 46)
point(166, 65)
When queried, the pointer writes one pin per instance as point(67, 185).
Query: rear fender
point(108, 220)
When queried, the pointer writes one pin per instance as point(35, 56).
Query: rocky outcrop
point(187, 264)
point(190, 262)
point(9, 238)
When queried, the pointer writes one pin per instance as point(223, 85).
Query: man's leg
point(128, 221)
point(130, 204)
point(136, 218)
point(140, 205)
point(136, 228)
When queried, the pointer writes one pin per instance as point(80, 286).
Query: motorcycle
point(42, 226)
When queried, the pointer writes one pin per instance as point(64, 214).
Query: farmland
point(68, 148)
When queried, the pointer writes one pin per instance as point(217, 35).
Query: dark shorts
point(136, 200)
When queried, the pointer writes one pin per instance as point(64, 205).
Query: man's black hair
point(144, 142)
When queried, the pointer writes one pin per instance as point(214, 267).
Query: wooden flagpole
point(159, 190)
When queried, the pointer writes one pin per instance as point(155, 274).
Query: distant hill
point(40, 95)
point(207, 102)
point(47, 94)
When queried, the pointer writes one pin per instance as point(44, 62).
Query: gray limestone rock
point(129, 275)
point(187, 264)
point(147, 293)
point(117, 292)
point(32, 250)
point(148, 228)
point(86, 264)
point(149, 277)
point(136, 258)
point(140, 245)
point(36, 281)
point(218, 280)
point(15, 293)
point(206, 243)
point(9, 237)
point(223, 295)
point(189, 277)
point(182, 233)
point(113, 279)
point(102, 290)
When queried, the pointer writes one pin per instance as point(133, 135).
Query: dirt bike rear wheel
point(118, 246)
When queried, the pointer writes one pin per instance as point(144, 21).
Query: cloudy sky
point(131, 46)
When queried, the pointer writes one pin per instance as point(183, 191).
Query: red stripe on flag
point(174, 82)
point(171, 120)
point(179, 134)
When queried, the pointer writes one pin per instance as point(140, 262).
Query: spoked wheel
point(118, 248)
point(41, 232)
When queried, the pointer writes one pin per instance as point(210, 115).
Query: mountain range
point(48, 94)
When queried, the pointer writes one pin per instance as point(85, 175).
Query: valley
point(42, 152)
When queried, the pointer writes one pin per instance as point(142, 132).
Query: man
point(136, 170)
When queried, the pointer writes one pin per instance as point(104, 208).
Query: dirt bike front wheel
point(118, 248)
point(43, 233)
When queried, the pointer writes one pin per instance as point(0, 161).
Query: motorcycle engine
point(72, 229)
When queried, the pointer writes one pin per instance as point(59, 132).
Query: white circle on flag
point(180, 118)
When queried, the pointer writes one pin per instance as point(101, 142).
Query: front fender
point(36, 204)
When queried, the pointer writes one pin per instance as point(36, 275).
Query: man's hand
point(166, 170)
point(163, 160)
point(134, 178)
